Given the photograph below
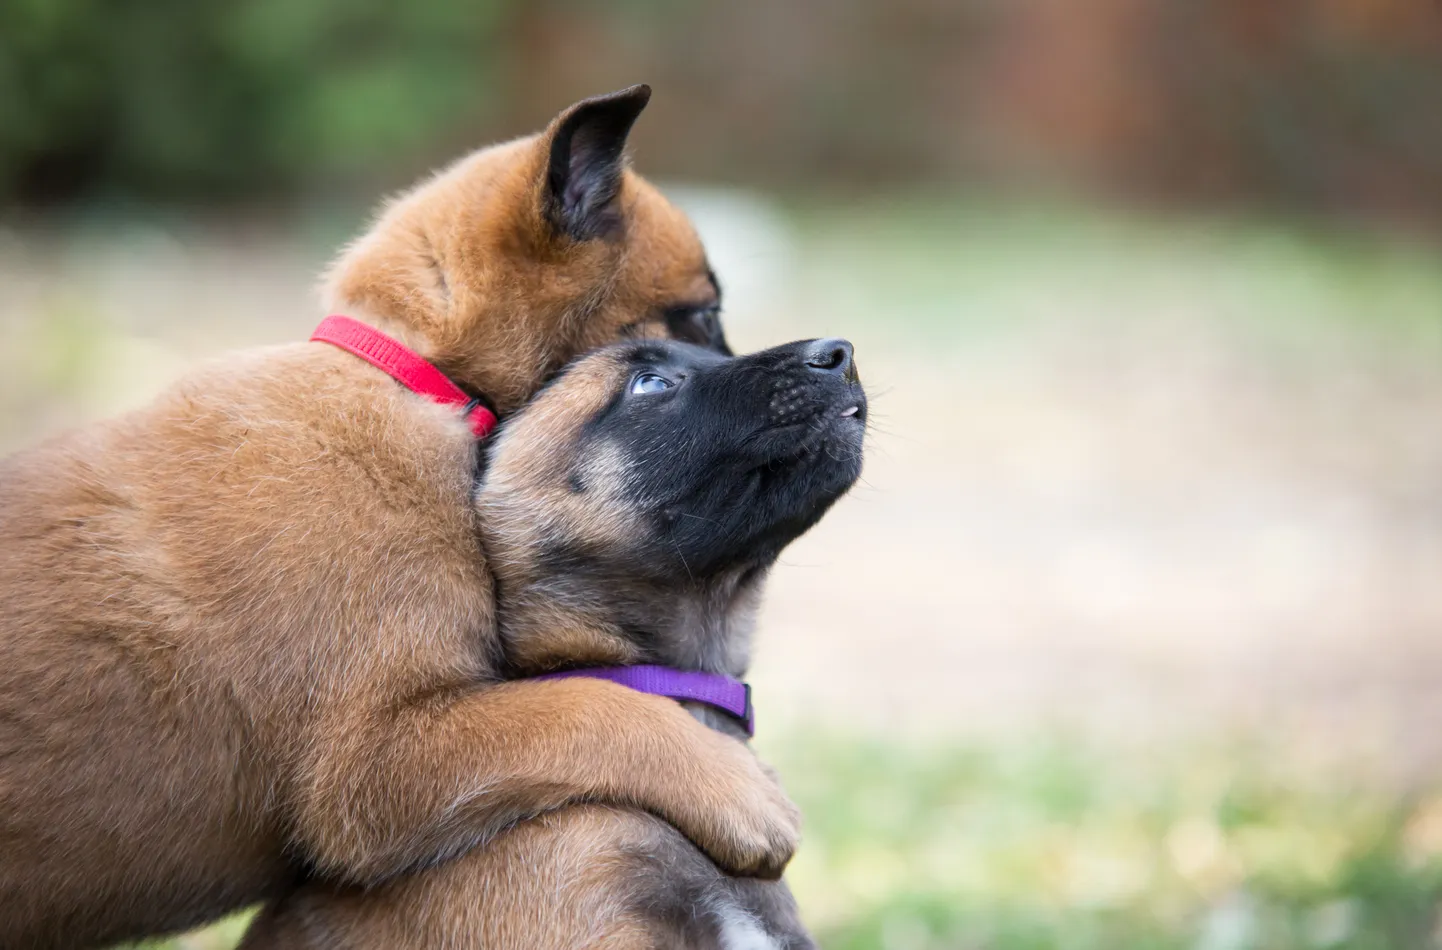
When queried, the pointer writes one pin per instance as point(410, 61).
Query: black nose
point(829, 356)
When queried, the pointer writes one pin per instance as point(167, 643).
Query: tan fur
point(564, 881)
point(499, 307)
point(534, 486)
point(586, 876)
point(242, 629)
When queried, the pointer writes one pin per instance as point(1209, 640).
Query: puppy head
point(504, 266)
point(631, 510)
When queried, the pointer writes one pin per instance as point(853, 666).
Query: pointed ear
point(583, 172)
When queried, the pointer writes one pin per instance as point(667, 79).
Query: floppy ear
point(583, 170)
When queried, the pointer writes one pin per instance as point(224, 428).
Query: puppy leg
point(590, 876)
point(391, 791)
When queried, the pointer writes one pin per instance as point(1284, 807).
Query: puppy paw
point(754, 828)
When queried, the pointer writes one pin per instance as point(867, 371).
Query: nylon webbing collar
point(406, 366)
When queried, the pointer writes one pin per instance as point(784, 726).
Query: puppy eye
point(649, 383)
point(693, 325)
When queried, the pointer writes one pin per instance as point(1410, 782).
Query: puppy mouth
point(849, 407)
point(835, 425)
point(855, 410)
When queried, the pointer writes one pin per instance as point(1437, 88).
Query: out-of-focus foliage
point(1328, 105)
point(169, 98)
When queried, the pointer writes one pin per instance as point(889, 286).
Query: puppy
point(630, 514)
point(246, 632)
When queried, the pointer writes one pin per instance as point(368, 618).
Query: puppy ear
point(583, 171)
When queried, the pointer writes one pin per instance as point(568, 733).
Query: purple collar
point(713, 689)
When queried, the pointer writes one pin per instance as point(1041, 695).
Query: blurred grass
point(1069, 845)
point(1064, 845)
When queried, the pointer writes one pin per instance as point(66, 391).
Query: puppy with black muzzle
point(630, 514)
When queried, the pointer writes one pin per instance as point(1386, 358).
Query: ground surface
point(1151, 523)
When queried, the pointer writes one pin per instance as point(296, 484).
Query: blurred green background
point(1132, 637)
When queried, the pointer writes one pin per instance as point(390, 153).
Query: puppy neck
point(579, 617)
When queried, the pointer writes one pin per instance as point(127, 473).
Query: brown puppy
point(244, 631)
point(630, 514)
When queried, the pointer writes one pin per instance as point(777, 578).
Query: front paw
point(758, 828)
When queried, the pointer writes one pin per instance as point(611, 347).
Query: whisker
point(683, 561)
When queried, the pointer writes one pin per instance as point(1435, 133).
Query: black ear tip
point(630, 100)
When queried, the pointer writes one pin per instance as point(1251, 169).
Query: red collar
point(409, 368)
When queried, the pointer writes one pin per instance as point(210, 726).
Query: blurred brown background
point(1320, 106)
point(1133, 635)
point(1316, 105)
